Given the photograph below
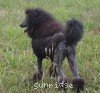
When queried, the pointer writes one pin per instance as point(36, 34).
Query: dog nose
point(21, 25)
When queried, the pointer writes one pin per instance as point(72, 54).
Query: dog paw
point(78, 84)
point(37, 76)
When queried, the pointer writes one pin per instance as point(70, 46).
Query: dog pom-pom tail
point(74, 31)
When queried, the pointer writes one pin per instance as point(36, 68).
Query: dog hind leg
point(58, 60)
point(78, 83)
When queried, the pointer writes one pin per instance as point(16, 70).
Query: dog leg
point(58, 60)
point(38, 74)
point(78, 83)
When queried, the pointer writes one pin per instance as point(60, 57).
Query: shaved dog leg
point(55, 40)
point(78, 83)
point(58, 60)
point(72, 60)
point(38, 74)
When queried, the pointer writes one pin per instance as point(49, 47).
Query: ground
point(17, 62)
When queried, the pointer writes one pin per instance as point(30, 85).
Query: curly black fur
point(40, 23)
point(74, 31)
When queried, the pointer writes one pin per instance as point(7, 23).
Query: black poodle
point(51, 39)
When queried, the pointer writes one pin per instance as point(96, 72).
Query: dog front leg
point(38, 74)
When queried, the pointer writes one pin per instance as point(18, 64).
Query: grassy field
point(17, 60)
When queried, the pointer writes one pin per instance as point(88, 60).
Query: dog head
point(34, 19)
point(29, 21)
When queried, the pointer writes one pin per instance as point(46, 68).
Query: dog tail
point(74, 31)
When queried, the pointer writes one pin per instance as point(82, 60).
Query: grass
point(17, 60)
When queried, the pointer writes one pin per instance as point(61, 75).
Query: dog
point(52, 39)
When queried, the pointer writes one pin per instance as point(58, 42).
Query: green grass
point(17, 60)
